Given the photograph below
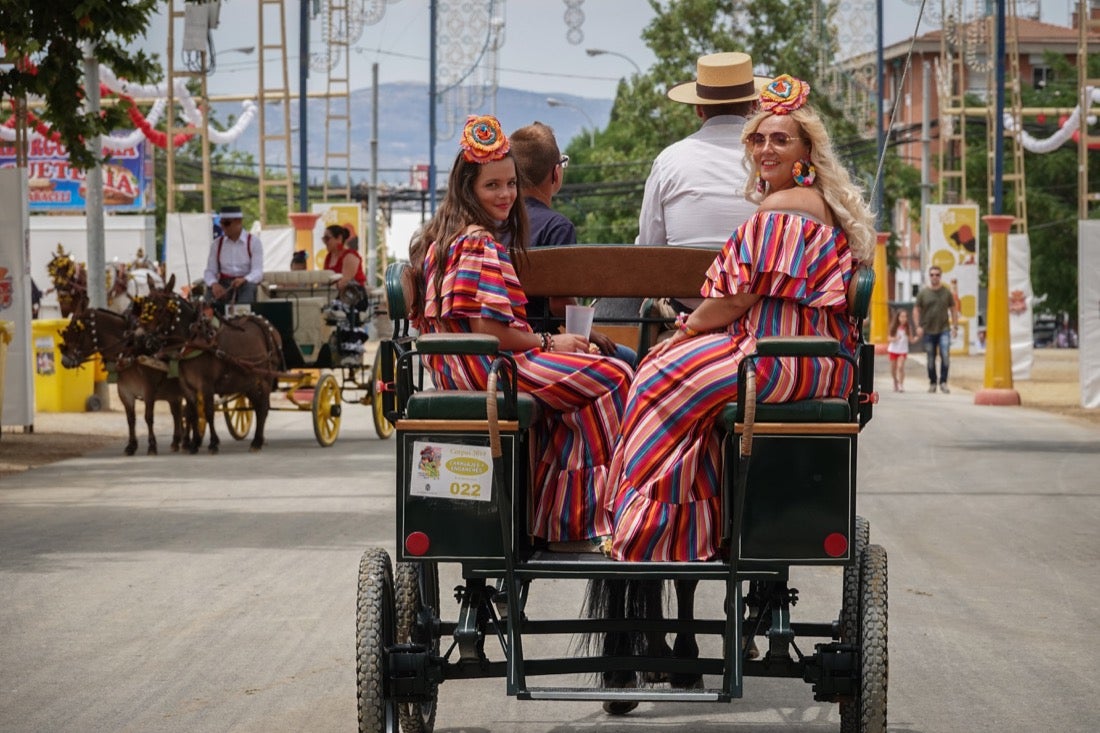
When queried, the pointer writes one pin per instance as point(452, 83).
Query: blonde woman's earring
point(761, 185)
point(804, 172)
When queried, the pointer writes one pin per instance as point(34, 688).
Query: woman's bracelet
point(682, 325)
point(547, 341)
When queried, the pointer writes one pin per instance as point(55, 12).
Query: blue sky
point(537, 53)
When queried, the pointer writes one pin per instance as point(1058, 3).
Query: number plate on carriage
point(450, 471)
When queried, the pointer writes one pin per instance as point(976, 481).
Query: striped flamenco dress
point(665, 488)
point(581, 395)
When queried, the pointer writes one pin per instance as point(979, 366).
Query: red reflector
point(836, 545)
point(417, 543)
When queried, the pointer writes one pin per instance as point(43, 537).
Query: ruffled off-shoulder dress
point(581, 395)
point(664, 483)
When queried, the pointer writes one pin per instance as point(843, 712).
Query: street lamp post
point(601, 52)
point(555, 102)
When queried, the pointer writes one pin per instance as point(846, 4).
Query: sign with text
point(449, 471)
point(54, 185)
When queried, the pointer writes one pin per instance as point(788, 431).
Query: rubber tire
point(238, 416)
point(382, 426)
point(868, 713)
point(326, 395)
point(849, 614)
point(374, 631)
point(849, 610)
point(417, 588)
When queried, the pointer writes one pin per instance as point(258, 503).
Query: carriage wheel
point(849, 610)
point(374, 631)
point(867, 714)
point(417, 585)
point(382, 426)
point(326, 409)
point(849, 614)
point(238, 417)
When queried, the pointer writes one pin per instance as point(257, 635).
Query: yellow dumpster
point(7, 331)
point(57, 389)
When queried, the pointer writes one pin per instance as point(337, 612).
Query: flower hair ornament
point(784, 95)
point(482, 140)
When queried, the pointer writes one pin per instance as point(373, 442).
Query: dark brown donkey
point(224, 356)
point(107, 333)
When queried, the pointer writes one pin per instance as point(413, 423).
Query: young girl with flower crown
point(464, 260)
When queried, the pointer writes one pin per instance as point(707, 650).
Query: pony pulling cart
point(464, 462)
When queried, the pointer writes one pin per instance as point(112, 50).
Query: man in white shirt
point(695, 193)
point(235, 265)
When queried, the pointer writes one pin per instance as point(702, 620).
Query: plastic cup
point(578, 319)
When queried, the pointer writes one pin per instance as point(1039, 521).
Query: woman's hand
point(663, 346)
point(569, 342)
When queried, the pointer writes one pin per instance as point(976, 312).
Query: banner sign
point(1021, 333)
point(952, 245)
point(55, 186)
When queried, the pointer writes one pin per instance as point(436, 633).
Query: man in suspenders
point(235, 266)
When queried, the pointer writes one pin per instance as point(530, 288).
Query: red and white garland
point(146, 125)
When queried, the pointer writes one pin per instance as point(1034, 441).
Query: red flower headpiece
point(482, 139)
point(784, 95)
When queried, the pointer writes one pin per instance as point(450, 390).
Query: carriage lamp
point(417, 543)
point(836, 544)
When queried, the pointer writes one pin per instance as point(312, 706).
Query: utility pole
point(93, 200)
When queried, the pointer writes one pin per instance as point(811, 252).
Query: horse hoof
point(151, 452)
point(213, 450)
point(130, 450)
point(618, 707)
point(686, 681)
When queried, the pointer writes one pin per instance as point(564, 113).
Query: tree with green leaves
point(44, 46)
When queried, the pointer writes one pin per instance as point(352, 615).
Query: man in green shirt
point(935, 312)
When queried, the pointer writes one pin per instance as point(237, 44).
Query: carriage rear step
point(638, 694)
point(545, 564)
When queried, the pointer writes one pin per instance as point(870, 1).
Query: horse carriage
point(464, 463)
point(323, 337)
point(299, 341)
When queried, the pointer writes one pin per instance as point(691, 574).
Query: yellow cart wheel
point(238, 416)
point(382, 426)
point(326, 409)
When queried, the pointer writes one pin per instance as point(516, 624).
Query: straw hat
point(722, 78)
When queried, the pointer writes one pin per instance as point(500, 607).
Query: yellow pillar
point(880, 311)
point(303, 234)
point(997, 389)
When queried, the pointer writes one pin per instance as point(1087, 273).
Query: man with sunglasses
point(937, 317)
point(541, 166)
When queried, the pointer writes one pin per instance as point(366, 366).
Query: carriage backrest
point(400, 289)
point(614, 271)
point(859, 292)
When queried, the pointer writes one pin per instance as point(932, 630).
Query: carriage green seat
point(445, 404)
point(826, 409)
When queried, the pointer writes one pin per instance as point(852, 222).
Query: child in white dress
point(898, 348)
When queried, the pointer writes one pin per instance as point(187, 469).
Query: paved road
point(216, 593)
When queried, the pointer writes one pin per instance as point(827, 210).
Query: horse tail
point(617, 599)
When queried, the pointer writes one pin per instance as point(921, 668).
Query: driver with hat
point(235, 265)
point(694, 195)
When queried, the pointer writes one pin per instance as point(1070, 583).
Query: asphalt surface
point(217, 593)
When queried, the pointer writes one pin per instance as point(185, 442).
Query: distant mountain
point(403, 128)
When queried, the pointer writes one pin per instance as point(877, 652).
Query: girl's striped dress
point(664, 481)
point(581, 395)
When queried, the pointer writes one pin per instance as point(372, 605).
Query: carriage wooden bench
point(789, 499)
